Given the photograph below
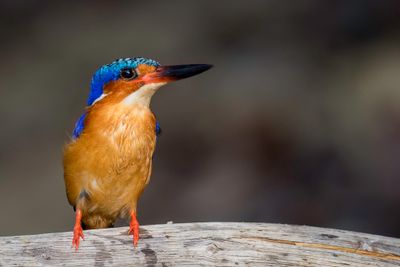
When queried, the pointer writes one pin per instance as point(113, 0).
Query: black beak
point(176, 72)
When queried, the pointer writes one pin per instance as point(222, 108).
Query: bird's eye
point(128, 73)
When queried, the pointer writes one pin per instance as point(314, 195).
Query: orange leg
point(134, 228)
point(78, 232)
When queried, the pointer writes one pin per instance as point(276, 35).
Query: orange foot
point(134, 228)
point(78, 232)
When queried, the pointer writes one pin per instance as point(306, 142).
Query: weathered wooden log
point(215, 244)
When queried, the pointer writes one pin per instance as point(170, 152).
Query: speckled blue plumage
point(105, 74)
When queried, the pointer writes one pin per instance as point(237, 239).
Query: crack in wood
point(375, 254)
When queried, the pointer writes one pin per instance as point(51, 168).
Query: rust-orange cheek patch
point(144, 69)
point(119, 89)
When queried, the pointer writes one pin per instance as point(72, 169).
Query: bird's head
point(135, 80)
point(132, 81)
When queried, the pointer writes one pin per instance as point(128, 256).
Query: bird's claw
point(134, 229)
point(78, 233)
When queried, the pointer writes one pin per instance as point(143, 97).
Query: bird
point(108, 160)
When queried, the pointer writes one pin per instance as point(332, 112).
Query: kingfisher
point(108, 162)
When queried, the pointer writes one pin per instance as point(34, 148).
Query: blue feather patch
point(158, 129)
point(79, 125)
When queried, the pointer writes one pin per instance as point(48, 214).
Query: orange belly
point(107, 168)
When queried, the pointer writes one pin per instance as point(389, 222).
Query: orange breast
point(111, 161)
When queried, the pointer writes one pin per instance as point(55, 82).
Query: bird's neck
point(120, 118)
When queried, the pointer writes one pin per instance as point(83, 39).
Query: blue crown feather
point(105, 74)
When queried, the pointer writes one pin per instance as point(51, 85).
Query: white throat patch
point(143, 94)
point(99, 98)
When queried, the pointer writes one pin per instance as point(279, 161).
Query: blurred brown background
point(298, 122)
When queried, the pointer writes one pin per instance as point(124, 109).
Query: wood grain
point(207, 244)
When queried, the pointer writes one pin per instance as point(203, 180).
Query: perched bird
point(107, 164)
